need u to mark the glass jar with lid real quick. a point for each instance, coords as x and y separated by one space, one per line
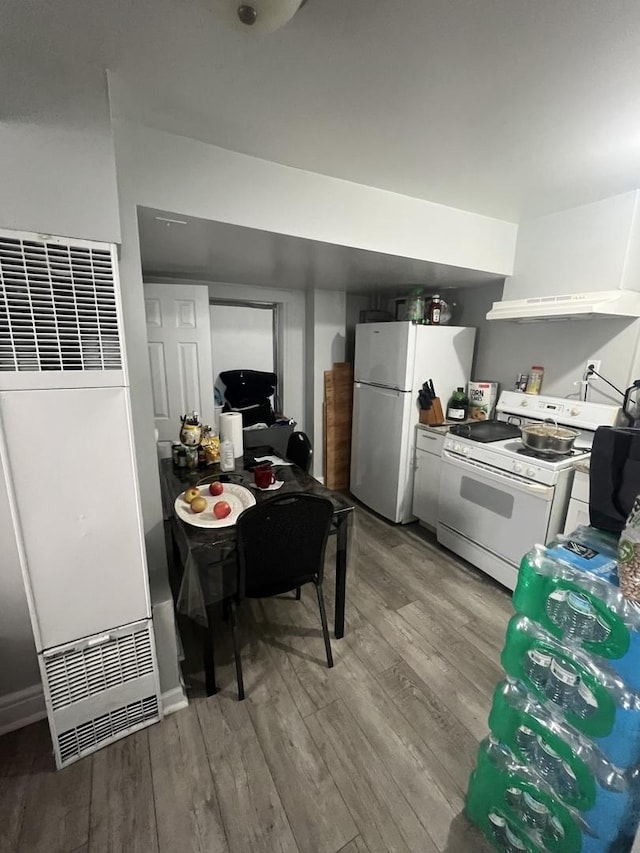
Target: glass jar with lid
534 382
415 307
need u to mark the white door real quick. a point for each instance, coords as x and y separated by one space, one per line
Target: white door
385 354
501 513
71 469
179 341
426 485
380 459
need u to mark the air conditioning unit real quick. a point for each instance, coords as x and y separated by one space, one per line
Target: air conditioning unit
67 455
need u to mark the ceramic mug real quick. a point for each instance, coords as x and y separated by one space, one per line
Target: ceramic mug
264 475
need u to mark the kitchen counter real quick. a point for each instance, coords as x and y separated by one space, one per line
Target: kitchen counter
582 465
444 428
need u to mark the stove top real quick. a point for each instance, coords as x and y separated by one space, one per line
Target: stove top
574 453
486 432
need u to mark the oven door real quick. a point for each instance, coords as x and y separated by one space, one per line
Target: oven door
499 512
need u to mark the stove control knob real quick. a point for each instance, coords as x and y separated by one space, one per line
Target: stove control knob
531 472
517 468
456 446
574 412
524 403
466 450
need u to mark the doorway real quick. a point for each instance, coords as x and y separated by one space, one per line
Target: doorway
244 336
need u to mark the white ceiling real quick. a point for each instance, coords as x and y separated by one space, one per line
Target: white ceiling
504 107
215 251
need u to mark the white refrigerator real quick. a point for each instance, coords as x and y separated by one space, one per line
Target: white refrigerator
392 361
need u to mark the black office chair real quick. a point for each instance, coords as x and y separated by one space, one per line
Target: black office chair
299 451
281 544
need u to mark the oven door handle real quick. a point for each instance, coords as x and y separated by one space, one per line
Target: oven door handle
512 482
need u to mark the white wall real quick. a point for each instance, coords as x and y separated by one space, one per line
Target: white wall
190 177
58 180
356 302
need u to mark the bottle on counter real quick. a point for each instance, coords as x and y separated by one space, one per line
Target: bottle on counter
227 459
534 382
434 312
458 406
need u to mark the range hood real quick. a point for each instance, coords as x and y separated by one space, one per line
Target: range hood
601 303
577 263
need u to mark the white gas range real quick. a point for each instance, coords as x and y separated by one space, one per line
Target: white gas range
498 499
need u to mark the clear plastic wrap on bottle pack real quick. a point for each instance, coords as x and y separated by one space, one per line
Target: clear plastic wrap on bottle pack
577 687
607 796
571 589
517 809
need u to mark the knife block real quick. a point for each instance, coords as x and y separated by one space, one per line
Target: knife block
434 415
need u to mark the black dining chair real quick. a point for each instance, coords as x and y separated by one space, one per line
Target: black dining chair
299 451
281 545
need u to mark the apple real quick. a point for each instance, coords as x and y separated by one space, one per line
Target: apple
221 509
191 493
198 504
216 488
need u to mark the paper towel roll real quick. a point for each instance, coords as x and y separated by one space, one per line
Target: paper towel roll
231 427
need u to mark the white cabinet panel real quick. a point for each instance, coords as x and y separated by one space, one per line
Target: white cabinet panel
71 469
426 485
577 514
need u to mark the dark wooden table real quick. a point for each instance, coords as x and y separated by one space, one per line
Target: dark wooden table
207 556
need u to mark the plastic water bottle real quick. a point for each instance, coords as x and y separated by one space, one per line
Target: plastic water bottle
526 739
549 762
514 844
555 605
554 830
227 459
535 813
513 796
585 704
498 829
578 617
562 683
567 783
536 666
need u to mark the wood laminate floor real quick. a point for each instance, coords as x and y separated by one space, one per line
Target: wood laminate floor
370 757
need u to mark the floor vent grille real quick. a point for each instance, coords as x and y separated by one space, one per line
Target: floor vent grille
87 736
78 674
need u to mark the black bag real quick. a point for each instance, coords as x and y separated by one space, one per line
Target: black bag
614 476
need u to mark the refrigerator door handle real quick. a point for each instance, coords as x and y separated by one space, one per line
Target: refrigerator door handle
393 389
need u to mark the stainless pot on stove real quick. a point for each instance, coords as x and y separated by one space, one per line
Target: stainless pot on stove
548 438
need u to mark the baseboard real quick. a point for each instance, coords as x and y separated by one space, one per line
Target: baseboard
174 700
21 708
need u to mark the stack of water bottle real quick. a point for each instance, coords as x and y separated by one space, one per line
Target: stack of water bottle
560 770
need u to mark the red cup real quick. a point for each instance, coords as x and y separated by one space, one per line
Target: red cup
264 475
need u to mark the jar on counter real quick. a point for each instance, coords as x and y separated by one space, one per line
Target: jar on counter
415 307
534 382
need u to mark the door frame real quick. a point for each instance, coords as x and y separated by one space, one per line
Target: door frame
276 309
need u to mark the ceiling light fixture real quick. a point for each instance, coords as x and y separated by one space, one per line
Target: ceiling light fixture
256 16
169 222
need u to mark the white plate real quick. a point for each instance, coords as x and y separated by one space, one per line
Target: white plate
236 496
